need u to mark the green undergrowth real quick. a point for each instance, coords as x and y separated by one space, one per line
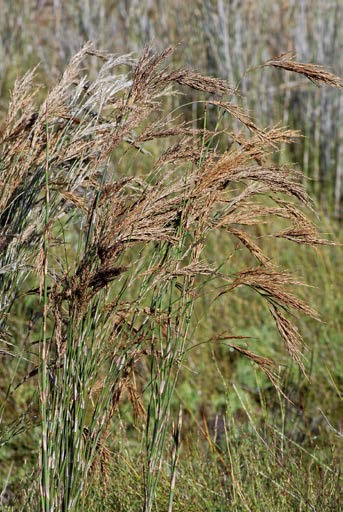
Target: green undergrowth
238 464
244 446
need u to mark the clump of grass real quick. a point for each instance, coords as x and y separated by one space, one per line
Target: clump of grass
116 258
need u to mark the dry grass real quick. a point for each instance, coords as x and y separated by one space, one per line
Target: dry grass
317 74
123 288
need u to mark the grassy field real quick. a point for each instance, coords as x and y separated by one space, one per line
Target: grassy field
171 298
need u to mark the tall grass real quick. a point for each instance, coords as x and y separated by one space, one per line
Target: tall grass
109 239
226 37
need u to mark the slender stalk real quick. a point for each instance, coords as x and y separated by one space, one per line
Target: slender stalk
44 394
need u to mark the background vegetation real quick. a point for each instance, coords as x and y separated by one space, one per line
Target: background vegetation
238 443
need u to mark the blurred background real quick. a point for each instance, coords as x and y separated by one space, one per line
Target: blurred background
231 412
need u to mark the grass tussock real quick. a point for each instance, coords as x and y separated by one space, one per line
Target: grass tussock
111 252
